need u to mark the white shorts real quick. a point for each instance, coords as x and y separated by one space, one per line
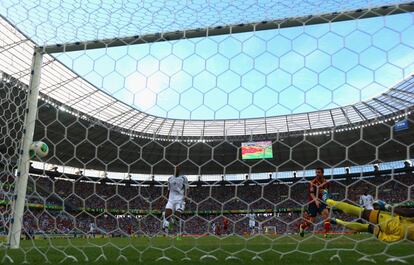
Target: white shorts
252 224
176 206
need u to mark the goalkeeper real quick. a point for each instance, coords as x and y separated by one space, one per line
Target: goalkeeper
384 225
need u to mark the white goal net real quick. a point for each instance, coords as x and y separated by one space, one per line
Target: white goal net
197 131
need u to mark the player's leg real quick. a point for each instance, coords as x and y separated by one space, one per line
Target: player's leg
343 206
373 216
346 207
167 216
178 216
326 221
354 226
309 218
218 230
305 225
179 209
251 227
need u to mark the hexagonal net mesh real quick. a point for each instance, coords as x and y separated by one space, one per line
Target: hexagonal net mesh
197 134
13 98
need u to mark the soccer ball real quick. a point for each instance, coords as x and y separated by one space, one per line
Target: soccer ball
38 149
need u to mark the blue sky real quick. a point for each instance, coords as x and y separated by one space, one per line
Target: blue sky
256 74
62 21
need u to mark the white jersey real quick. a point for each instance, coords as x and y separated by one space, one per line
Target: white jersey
367 201
213 228
92 227
177 187
252 219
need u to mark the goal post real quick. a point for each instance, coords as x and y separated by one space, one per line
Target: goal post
270 230
22 174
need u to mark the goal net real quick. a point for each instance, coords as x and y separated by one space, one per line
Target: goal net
270 230
196 132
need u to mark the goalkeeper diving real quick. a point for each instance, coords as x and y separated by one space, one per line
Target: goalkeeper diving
384 224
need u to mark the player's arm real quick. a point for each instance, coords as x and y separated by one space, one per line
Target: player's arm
315 199
397 209
312 193
403 211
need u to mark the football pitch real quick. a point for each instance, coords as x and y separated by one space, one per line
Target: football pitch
341 249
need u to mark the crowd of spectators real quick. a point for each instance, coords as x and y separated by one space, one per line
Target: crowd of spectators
119 210
216 197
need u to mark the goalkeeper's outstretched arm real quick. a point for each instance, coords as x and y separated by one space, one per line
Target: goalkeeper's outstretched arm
399 208
404 211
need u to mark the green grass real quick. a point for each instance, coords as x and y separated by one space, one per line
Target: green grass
209 250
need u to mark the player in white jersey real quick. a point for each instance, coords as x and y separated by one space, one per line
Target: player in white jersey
92 229
366 201
252 222
213 229
177 187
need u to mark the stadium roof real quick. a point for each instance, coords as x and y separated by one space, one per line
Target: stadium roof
99 146
65 86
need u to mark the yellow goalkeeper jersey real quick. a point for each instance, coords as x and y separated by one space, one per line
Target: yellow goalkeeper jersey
393 228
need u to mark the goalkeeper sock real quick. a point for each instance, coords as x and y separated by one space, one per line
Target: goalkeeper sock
358 227
346 207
